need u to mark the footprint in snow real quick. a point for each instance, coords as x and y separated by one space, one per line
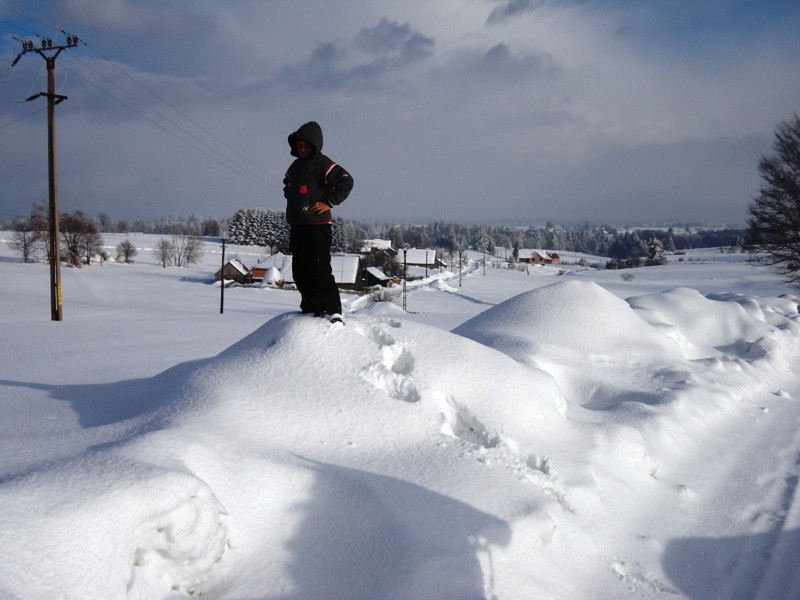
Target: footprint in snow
391 374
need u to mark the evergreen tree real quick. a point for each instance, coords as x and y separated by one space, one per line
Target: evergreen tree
655 253
236 227
774 223
339 242
276 231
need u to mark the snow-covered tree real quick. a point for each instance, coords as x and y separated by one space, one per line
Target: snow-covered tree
339 243
655 253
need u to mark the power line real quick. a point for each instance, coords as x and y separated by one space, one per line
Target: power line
29 18
28 116
199 146
182 114
222 157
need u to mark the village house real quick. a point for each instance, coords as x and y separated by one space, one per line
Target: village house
421 257
538 257
345 268
377 245
235 271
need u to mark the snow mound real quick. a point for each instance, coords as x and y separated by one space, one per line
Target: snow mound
707 326
442 285
577 316
388 459
298 441
145 531
272 276
606 353
599 351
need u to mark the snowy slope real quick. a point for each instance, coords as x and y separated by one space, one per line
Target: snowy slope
572 437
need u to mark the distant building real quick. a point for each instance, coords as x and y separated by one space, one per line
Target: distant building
374 276
421 257
538 257
372 246
234 270
345 268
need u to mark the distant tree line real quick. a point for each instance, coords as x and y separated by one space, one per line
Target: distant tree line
257 227
268 229
634 245
81 241
192 224
626 248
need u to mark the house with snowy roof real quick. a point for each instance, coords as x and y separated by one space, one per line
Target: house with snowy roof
374 276
538 257
372 246
233 270
421 257
274 267
345 268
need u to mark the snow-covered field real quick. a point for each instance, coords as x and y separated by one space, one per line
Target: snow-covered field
526 435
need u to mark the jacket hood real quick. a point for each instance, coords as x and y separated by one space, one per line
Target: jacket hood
310 132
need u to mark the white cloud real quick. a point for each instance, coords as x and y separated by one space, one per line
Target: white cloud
438 108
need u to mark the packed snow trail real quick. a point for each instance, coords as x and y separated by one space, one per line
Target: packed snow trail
669 417
743 498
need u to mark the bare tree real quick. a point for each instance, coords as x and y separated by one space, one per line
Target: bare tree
126 251
774 223
92 245
187 250
80 238
163 252
27 239
40 220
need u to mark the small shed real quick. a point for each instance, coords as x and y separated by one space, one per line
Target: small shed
374 276
234 270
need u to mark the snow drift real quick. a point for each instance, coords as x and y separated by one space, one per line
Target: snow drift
388 459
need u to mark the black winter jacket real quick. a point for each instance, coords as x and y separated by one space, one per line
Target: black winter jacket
315 179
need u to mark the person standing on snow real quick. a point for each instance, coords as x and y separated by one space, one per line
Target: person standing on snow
312 185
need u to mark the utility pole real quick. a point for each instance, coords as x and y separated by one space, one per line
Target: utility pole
222 279
49 52
405 274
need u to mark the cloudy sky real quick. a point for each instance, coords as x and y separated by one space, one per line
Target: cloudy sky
501 111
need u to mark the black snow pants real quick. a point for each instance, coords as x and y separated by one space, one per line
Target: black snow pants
311 268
